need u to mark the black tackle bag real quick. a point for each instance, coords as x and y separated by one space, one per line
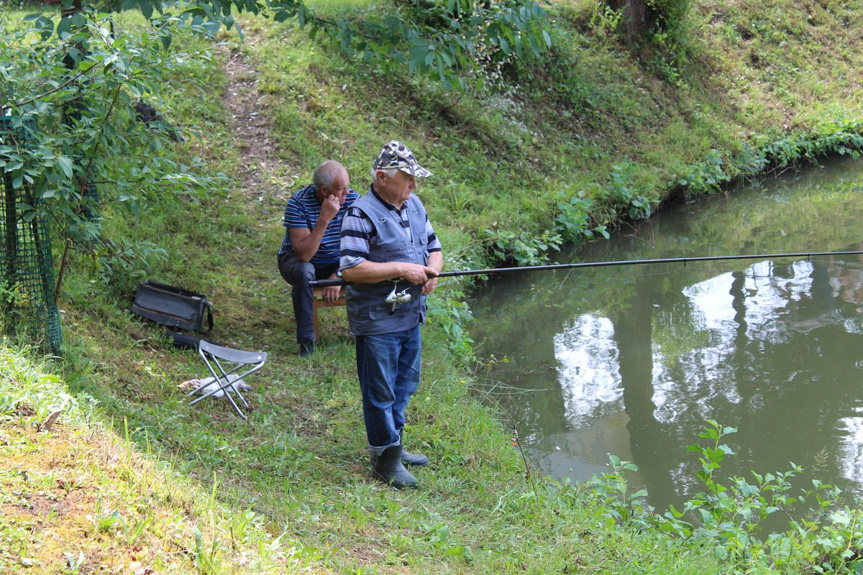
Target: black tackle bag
173 307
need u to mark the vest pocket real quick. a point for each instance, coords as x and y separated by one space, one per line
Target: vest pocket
386 310
355 312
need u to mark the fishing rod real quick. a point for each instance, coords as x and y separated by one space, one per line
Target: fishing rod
684 261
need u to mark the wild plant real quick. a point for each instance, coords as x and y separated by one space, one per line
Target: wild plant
75 138
623 194
574 219
522 248
705 177
729 518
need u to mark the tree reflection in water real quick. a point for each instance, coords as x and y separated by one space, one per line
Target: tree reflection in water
632 360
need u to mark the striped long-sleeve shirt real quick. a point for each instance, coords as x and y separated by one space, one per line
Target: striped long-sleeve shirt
358 231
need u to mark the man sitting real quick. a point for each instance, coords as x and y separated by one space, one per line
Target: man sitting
310 250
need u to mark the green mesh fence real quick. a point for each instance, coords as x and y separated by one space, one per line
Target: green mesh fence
27 274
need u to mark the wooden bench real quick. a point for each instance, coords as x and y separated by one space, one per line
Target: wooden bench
318 302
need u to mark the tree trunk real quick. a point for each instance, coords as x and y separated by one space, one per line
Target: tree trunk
637 16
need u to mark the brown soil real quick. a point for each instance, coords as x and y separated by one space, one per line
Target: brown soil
262 171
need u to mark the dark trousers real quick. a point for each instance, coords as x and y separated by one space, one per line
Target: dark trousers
299 274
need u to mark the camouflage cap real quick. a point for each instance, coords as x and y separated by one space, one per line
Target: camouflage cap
396 155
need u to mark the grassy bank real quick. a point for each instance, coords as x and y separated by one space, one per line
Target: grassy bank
559 150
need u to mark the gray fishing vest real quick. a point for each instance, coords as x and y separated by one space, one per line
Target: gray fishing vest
368 313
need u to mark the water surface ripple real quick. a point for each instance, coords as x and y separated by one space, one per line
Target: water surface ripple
631 360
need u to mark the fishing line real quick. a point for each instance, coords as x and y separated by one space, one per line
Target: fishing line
683 261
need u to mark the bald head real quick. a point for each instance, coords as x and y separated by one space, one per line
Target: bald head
327 173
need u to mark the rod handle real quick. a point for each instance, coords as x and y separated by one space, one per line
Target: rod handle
327 283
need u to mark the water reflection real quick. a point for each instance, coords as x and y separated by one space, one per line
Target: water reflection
632 360
588 373
852 447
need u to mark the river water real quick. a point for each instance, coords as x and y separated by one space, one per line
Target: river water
632 360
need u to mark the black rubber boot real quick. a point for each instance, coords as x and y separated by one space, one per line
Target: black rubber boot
307 349
408 458
415 459
389 469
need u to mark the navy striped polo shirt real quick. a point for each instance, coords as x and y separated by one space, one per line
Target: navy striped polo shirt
303 211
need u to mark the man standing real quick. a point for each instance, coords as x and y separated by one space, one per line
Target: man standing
390 258
310 250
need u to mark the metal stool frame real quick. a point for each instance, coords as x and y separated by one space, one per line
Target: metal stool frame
211 354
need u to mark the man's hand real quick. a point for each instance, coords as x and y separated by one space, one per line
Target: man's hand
417 274
330 208
429 286
331 293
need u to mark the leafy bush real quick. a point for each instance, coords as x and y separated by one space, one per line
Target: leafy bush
457 42
574 218
843 138
705 177
453 314
611 491
522 248
750 162
76 140
726 518
123 264
622 193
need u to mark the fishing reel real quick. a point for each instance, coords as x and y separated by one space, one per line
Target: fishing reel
396 297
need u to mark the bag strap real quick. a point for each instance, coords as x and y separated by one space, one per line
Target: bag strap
209 317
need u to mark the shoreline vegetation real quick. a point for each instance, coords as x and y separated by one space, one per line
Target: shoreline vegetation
558 150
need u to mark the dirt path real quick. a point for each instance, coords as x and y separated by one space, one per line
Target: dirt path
262 173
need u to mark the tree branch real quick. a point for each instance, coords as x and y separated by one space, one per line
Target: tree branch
53 90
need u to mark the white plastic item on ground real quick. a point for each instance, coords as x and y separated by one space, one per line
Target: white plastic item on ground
203 385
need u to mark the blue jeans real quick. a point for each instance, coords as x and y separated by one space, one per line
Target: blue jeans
388 366
299 274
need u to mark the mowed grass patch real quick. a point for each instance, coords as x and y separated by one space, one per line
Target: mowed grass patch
76 497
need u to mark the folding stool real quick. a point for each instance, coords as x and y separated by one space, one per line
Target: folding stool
225 381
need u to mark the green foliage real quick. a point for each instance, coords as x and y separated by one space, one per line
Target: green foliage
522 248
704 177
624 194
604 18
451 40
749 162
669 38
732 513
453 314
725 518
670 13
612 492
844 138
455 41
709 175
123 264
574 218
33 393
75 141
106 520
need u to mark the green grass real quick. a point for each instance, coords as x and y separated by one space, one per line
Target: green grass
294 480
82 497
